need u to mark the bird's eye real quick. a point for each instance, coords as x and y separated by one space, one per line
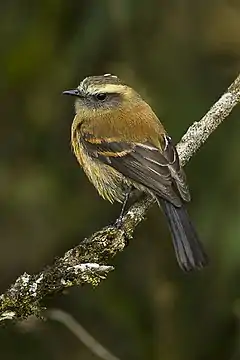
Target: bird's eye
101 96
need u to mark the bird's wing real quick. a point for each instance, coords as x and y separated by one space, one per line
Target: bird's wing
145 164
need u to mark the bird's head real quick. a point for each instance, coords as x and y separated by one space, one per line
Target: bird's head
101 93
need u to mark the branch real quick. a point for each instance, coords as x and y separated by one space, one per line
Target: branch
80 264
22 299
79 331
199 132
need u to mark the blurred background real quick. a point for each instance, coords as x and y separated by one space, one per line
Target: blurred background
180 55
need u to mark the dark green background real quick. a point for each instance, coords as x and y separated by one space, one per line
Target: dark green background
180 55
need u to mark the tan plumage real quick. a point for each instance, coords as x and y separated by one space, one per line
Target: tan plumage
120 143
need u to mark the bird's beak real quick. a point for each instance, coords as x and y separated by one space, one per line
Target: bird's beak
73 92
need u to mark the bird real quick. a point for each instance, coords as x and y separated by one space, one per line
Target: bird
122 146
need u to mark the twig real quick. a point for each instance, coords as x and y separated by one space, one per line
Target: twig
23 298
199 132
80 333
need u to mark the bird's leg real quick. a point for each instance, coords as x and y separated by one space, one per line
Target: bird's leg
127 194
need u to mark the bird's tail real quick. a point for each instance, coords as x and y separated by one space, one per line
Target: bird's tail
189 250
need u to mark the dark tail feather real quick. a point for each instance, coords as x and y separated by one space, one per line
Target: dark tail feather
189 251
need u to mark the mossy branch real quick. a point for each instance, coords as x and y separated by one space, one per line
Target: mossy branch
88 261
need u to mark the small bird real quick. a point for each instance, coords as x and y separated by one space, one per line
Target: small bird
121 145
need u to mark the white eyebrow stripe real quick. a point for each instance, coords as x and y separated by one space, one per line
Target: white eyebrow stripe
108 88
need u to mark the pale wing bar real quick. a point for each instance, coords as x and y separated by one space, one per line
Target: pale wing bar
142 163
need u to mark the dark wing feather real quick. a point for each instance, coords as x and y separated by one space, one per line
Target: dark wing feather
143 163
171 155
